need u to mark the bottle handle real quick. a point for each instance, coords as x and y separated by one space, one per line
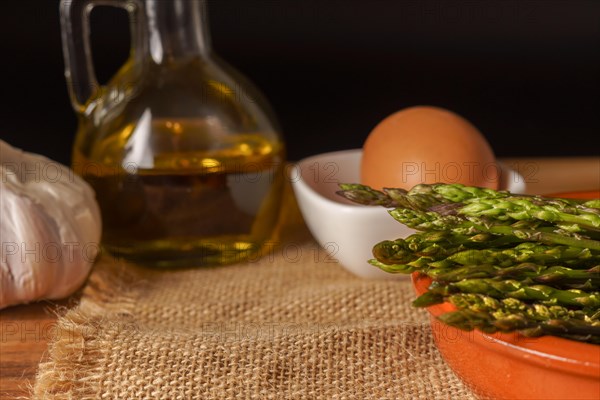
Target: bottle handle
75 32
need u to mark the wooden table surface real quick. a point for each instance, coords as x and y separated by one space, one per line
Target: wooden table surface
25 330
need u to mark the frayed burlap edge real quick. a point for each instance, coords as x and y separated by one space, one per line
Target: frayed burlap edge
75 358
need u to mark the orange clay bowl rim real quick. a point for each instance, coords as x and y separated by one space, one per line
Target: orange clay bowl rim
548 351
586 195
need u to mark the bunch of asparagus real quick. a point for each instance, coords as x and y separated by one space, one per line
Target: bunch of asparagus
506 261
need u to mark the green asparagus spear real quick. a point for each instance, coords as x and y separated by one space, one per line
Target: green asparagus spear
510 288
457 193
568 328
595 203
421 220
436 244
526 209
489 314
365 195
501 308
527 252
558 276
464 250
393 268
473 201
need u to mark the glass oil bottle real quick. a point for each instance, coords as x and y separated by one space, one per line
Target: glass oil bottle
183 152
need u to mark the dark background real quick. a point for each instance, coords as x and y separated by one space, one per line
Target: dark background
527 73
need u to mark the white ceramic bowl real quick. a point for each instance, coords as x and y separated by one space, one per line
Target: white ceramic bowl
348 231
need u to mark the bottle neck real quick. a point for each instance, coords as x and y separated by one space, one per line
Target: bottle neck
177 29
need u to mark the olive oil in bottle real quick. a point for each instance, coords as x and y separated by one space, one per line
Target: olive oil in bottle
186 208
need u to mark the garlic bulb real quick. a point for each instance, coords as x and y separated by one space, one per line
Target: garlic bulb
49 231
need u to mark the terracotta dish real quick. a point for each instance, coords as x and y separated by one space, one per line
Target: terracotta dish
591 194
512 366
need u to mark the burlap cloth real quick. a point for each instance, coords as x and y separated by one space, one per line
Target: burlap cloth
292 325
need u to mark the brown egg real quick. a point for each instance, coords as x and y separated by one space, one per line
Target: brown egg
427 145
